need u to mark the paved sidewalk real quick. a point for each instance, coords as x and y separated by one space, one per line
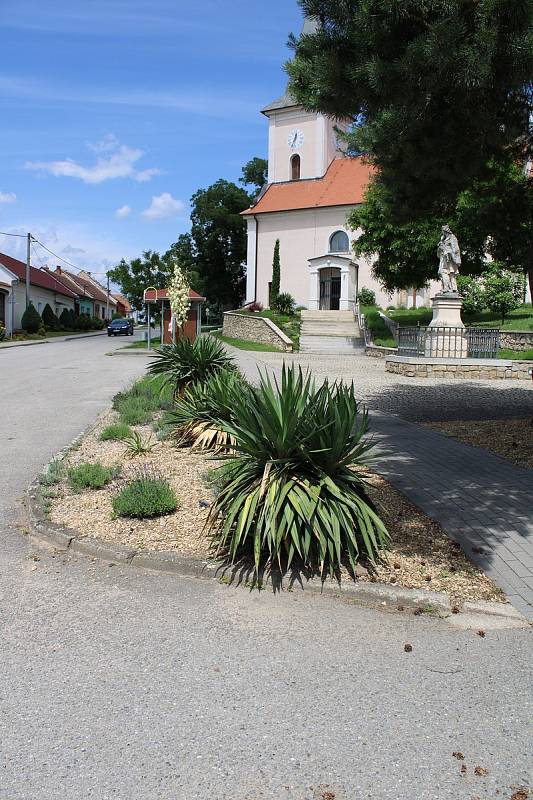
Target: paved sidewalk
482 501
68 337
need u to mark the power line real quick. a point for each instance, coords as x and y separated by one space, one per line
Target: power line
56 255
64 260
20 235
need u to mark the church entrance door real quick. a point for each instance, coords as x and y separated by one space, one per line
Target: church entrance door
330 289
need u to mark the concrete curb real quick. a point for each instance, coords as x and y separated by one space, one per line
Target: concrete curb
478 615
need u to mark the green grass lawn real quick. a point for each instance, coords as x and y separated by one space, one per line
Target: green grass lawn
34 337
290 325
516 355
521 319
244 344
142 345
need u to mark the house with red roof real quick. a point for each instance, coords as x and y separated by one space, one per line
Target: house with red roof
44 288
123 304
312 188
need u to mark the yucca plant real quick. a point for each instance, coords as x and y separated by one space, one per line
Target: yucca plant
185 362
289 489
136 445
197 417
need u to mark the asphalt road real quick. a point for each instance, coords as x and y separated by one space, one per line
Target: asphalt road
123 684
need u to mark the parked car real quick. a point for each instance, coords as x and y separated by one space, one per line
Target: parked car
120 326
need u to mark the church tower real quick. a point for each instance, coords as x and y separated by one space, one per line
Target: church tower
301 144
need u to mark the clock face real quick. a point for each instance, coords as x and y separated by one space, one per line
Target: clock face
295 138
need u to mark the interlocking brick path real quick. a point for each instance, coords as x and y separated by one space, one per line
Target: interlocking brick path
482 501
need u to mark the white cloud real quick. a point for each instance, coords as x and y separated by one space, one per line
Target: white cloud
7 197
123 212
114 160
162 207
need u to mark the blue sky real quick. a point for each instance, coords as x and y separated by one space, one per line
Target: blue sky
114 112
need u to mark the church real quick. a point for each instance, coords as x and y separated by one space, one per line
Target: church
312 188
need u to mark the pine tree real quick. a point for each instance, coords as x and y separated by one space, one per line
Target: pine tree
276 275
31 320
65 319
50 321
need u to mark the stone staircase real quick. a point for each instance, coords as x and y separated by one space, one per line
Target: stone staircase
330 332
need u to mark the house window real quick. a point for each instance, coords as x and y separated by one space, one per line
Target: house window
339 242
295 167
2 308
40 308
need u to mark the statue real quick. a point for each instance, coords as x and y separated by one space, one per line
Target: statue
449 260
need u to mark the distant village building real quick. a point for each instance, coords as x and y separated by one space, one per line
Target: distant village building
312 188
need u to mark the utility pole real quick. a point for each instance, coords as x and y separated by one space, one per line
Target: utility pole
107 303
28 258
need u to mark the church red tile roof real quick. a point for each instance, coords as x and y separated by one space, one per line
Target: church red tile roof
344 184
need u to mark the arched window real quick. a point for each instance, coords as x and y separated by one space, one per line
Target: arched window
295 167
339 242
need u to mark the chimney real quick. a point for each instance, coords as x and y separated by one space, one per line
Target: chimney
58 270
47 269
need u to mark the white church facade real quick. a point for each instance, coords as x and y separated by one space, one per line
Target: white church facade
312 188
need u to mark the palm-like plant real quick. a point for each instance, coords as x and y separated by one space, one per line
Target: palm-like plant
198 415
187 362
289 488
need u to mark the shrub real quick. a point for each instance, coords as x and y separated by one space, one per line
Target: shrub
290 488
50 320
472 292
89 476
366 297
65 320
284 304
84 322
184 363
116 432
31 320
2 332
137 404
504 290
147 495
73 319
197 416
53 475
96 324
253 307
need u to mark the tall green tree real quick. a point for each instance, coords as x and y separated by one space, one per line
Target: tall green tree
184 252
218 234
493 216
136 275
276 275
255 173
434 89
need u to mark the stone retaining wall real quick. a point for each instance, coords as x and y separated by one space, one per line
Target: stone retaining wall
375 351
516 340
465 368
254 328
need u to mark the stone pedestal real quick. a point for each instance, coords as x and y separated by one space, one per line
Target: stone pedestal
446 335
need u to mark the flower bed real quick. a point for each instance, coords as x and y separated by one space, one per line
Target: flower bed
420 555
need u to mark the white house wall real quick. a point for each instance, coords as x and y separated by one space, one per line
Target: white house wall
303 235
39 297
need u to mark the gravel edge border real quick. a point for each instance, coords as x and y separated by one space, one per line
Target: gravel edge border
481 614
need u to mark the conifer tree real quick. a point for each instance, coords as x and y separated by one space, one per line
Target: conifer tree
31 320
276 275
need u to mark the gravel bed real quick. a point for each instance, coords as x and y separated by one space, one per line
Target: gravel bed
421 555
510 438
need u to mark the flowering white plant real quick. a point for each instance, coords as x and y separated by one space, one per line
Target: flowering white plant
178 293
